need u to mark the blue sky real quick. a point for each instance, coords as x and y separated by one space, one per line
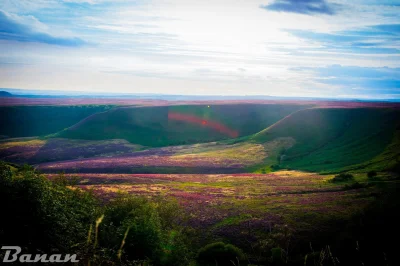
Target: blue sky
317 48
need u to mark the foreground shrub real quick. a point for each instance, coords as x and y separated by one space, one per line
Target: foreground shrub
136 221
42 215
137 229
219 253
277 256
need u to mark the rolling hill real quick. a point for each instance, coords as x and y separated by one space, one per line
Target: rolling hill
217 138
177 125
28 121
332 139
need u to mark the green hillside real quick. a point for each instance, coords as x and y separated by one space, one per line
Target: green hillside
332 140
388 159
28 121
175 125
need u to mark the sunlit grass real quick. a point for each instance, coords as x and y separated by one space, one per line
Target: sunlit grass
21 143
242 153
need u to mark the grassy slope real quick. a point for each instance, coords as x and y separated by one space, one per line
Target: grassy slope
319 139
389 159
331 140
150 126
26 121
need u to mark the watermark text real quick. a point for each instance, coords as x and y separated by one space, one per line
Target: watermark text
13 254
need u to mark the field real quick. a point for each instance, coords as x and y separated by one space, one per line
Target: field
256 175
231 207
34 150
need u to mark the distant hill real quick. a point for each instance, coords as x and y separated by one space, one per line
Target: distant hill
249 137
5 94
176 125
28 121
334 140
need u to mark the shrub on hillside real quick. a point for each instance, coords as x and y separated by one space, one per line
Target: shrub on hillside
372 174
396 168
342 177
275 167
355 185
220 254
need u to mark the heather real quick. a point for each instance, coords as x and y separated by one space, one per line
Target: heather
282 218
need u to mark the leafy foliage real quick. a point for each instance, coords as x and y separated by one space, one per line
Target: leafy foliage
51 216
42 215
146 231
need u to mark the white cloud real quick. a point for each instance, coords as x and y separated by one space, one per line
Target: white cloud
179 46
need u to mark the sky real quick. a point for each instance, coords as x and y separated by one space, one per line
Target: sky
308 48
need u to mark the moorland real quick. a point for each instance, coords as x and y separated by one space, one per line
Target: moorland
203 182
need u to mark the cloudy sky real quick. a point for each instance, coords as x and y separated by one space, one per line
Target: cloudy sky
319 48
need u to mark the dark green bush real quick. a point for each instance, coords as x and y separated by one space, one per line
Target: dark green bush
45 216
355 185
220 254
147 229
275 167
139 220
277 255
372 174
342 177
42 215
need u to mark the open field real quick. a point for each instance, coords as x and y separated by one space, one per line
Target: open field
259 213
200 158
33 150
225 205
